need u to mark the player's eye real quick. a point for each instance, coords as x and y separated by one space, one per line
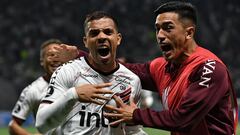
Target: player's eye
93 33
108 31
167 27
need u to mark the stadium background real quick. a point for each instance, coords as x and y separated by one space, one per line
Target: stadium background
25 24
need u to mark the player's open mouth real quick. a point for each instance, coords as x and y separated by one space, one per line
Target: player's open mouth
54 66
166 47
103 51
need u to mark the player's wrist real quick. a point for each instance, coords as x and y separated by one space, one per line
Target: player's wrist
72 93
135 116
76 53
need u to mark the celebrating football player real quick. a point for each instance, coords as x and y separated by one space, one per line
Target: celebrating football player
78 90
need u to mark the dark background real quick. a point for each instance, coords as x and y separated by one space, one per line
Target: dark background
25 24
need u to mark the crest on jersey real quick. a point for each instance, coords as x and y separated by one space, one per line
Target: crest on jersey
125 95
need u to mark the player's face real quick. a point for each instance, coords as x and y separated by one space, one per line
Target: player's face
102 40
171 36
47 62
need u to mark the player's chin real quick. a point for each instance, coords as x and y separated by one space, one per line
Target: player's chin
52 69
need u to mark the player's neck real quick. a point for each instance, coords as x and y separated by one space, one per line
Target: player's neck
46 77
191 48
107 68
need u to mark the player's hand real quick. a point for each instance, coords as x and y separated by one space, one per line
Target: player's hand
122 114
65 53
92 93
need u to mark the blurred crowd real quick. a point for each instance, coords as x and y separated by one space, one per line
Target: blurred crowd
25 24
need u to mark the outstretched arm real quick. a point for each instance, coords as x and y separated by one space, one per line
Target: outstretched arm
197 101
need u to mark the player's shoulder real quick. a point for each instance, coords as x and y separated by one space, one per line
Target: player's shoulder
124 69
209 69
213 65
158 60
68 71
127 72
39 83
33 89
72 64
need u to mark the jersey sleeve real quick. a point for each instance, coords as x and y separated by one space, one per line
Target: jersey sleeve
61 98
23 105
203 93
60 81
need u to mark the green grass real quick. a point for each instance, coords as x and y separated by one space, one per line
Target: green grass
4 130
150 131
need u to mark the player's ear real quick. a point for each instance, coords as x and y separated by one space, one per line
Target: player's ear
190 32
119 38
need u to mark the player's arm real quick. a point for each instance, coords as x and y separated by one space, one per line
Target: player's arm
66 53
20 112
51 115
15 127
199 98
60 99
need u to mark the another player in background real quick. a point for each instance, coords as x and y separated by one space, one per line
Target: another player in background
31 96
194 84
78 90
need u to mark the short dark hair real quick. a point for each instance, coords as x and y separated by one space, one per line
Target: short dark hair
47 43
98 15
182 8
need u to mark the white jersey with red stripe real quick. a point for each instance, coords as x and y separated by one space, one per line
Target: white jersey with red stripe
87 118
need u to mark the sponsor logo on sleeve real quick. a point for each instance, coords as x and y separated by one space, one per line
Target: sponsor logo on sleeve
208 69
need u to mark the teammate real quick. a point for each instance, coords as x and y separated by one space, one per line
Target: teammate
75 97
31 96
194 84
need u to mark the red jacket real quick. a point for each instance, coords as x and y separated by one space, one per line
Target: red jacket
197 95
